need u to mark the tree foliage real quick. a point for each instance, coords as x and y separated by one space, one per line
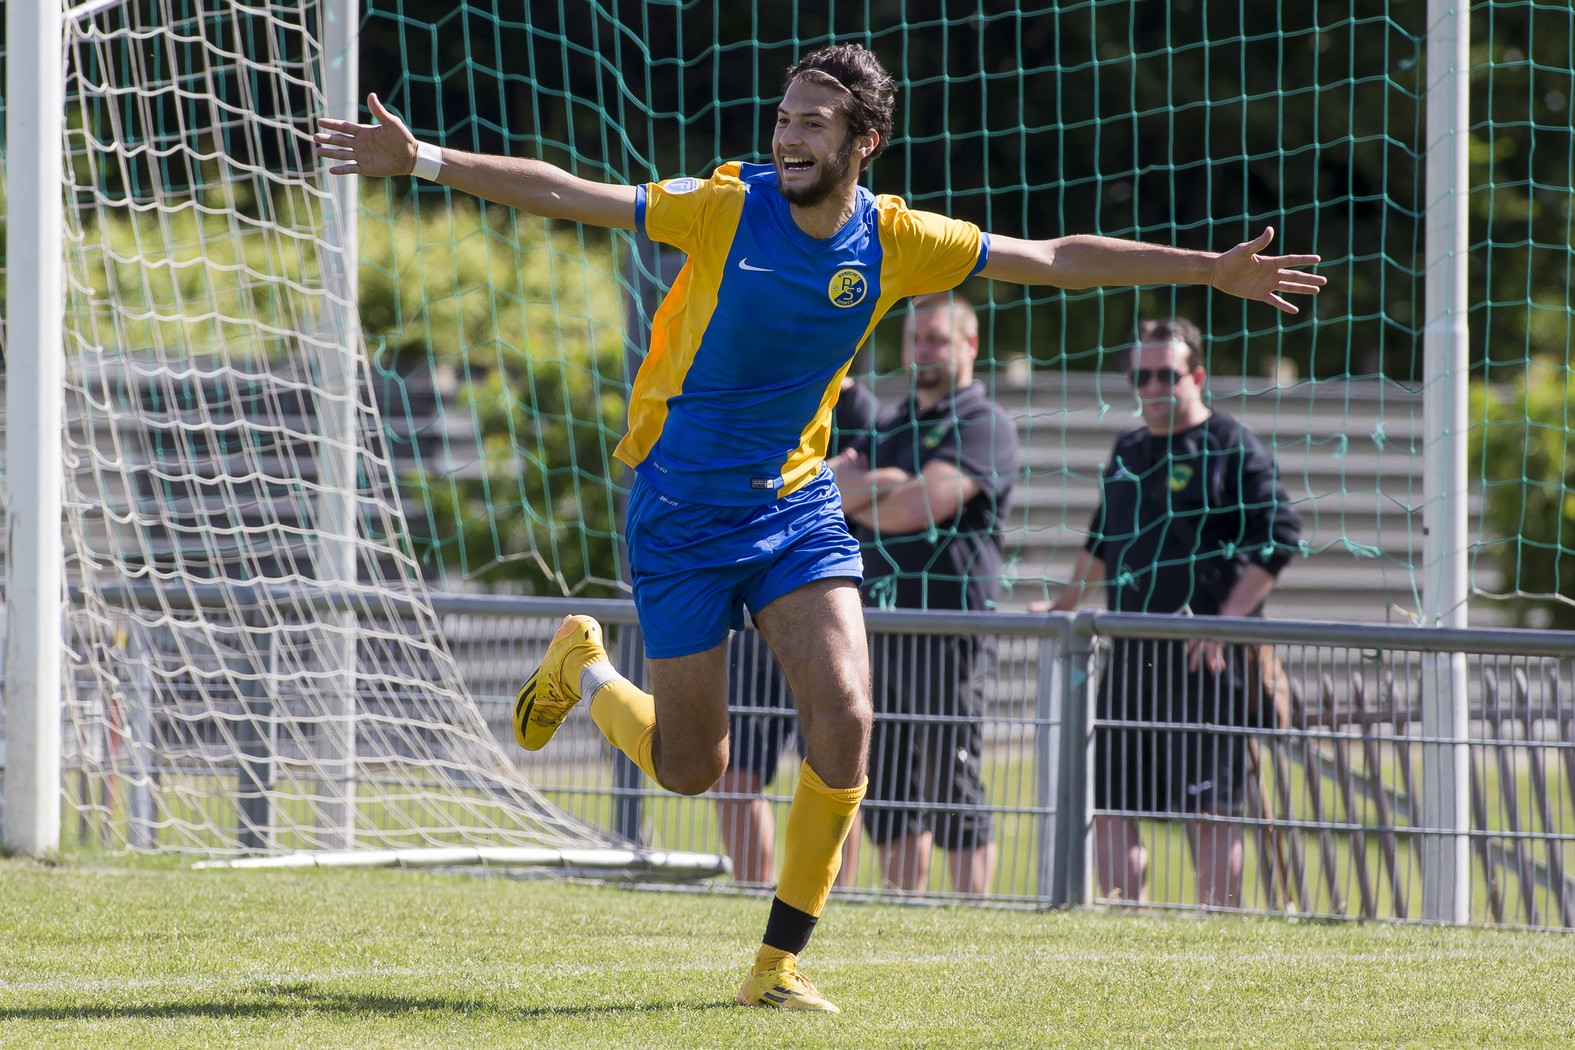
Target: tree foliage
461 308
1184 122
1188 123
1526 451
504 337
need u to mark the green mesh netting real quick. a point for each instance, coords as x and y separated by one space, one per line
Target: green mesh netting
501 345
1189 123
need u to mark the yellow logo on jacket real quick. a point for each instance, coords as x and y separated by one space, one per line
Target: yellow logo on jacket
1180 474
848 288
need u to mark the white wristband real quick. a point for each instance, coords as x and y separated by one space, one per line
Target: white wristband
429 161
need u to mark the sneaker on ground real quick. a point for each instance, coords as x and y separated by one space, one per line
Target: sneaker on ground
784 987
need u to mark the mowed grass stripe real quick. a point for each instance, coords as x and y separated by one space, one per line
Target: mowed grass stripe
148 955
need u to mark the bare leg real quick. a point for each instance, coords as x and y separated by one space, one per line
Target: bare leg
1120 860
905 862
748 829
973 870
1217 852
689 750
817 634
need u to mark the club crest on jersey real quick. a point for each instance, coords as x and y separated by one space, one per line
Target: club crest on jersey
681 185
848 288
1180 474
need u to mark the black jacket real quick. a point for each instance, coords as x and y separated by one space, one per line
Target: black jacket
957 564
1181 516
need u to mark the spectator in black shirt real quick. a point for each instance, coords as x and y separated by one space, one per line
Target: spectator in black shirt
927 493
1192 519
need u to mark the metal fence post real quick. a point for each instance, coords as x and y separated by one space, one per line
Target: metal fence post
141 753
1446 877
1064 865
628 780
1048 740
254 780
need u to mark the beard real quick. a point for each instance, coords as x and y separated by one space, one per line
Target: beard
937 374
833 176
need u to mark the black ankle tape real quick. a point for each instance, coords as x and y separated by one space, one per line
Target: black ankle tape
788 929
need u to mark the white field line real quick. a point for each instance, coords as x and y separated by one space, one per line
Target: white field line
1316 953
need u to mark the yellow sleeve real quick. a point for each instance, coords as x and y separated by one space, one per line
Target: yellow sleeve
676 211
924 251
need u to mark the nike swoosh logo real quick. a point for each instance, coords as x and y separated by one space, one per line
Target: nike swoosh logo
743 264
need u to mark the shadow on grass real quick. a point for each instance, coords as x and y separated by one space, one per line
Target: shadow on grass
285 999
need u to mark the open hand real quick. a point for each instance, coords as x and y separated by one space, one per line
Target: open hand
1242 271
1210 653
381 149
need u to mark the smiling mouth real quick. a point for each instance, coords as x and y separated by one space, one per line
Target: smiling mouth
797 164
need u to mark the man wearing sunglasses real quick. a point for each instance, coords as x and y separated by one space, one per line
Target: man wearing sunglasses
1192 519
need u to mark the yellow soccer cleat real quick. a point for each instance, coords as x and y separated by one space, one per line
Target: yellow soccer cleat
783 987
552 691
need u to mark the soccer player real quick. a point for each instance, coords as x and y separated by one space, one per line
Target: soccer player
791 264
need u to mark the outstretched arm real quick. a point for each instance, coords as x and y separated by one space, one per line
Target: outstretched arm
1085 261
387 148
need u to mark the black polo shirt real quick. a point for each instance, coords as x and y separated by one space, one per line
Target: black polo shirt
1181 515
956 564
852 420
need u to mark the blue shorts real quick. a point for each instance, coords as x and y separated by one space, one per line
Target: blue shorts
696 566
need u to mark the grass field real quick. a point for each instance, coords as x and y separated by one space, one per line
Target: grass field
131 953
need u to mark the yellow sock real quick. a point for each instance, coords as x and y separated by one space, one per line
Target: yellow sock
626 715
767 957
817 825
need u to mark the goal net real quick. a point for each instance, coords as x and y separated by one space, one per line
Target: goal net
254 664
279 435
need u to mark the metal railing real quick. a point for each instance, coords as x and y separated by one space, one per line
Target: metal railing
1336 817
1332 819
1342 811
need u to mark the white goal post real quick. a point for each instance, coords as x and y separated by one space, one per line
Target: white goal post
227 650
34 409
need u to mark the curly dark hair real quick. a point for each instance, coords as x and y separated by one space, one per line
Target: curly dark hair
872 93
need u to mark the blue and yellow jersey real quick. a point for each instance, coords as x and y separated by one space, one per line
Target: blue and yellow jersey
733 403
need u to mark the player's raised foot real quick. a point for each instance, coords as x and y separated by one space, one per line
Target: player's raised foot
552 691
783 987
